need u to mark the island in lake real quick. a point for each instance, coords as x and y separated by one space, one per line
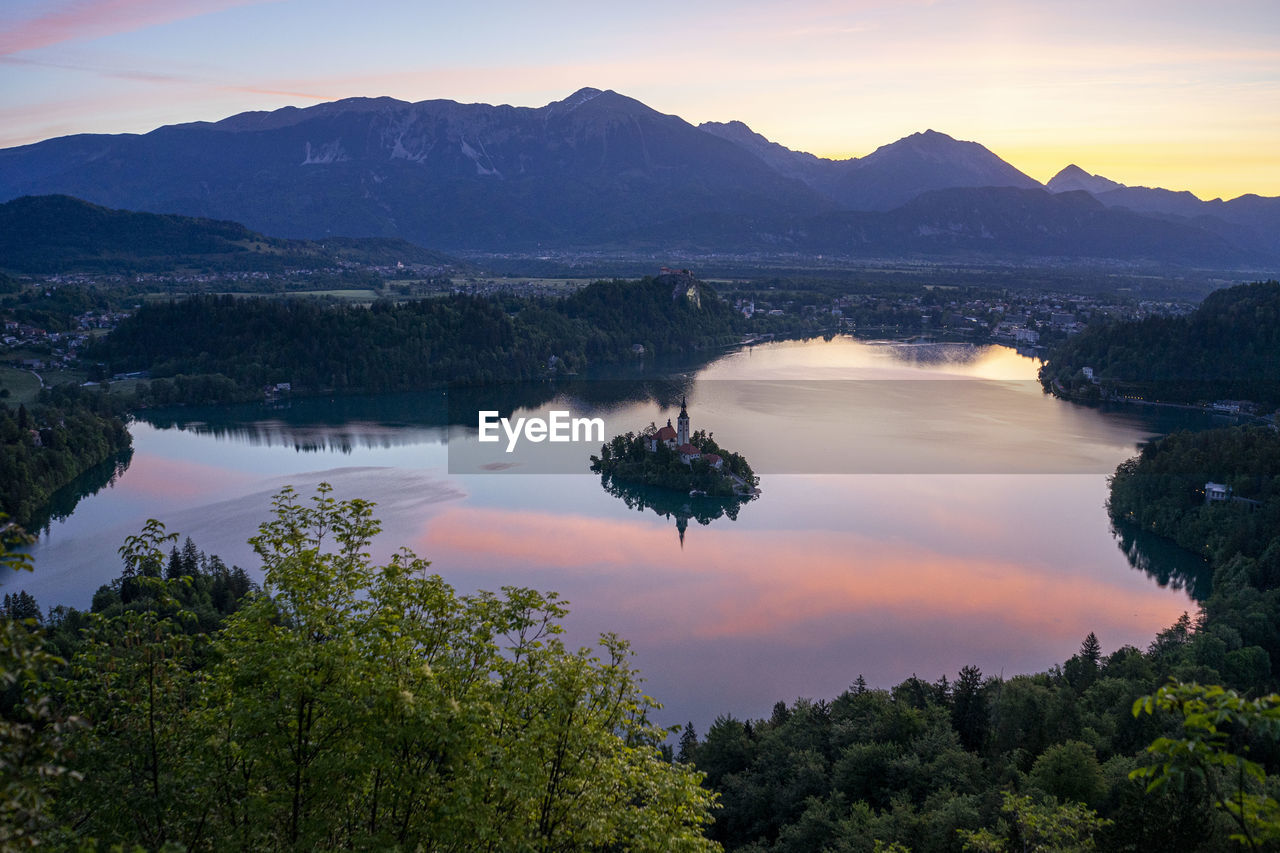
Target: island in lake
675 459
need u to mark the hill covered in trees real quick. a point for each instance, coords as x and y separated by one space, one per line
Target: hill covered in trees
1228 348
1162 490
60 234
218 349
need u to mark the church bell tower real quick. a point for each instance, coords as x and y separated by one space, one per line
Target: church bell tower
682 425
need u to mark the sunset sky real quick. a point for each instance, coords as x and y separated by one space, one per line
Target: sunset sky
1184 95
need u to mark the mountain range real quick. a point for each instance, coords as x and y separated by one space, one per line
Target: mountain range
602 171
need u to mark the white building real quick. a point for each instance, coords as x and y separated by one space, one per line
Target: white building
1214 492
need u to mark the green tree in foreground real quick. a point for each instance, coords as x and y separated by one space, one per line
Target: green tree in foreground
1216 726
1038 828
1070 772
135 679
361 706
33 754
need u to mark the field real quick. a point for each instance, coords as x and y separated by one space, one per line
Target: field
519 284
22 385
344 295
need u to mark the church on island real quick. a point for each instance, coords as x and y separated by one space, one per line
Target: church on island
676 459
661 469
677 439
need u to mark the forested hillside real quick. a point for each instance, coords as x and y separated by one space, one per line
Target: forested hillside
237 346
47 446
1229 348
61 234
1163 490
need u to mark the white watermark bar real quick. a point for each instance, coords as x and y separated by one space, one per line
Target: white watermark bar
961 425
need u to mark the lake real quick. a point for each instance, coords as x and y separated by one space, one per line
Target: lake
923 507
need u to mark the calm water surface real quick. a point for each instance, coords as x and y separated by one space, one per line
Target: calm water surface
924 507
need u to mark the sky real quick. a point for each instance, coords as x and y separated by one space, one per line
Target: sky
1184 95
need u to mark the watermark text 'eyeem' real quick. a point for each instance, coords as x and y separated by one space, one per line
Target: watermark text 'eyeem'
560 426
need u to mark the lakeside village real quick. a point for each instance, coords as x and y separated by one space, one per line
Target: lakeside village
1089 387
1023 320
32 347
676 459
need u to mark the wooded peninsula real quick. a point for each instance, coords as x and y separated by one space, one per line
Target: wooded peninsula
211 349
1224 350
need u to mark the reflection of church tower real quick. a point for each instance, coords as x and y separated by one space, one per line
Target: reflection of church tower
682 425
682 524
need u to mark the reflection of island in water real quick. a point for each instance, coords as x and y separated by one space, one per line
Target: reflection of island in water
1169 564
672 504
63 502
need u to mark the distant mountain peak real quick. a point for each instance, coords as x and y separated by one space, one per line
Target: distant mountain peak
933 160
580 97
929 138
812 171
261 120
1074 178
600 102
931 144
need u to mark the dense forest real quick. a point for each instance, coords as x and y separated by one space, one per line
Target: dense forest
1163 490
67 432
217 349
1225 349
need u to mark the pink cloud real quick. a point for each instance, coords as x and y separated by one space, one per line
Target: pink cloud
284 93
90 19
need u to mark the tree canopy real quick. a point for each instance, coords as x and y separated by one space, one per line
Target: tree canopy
1228 348
349 705
222 348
